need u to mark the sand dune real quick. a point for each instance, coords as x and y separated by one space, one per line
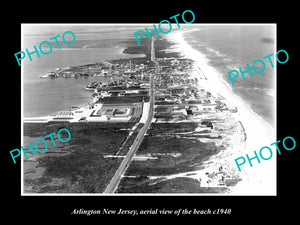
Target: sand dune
261 178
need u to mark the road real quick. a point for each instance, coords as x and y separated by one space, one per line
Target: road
114 183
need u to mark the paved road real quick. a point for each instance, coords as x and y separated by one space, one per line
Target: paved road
112 186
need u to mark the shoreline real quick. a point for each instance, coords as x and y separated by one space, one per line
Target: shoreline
122 56
255 180
248 92
259 179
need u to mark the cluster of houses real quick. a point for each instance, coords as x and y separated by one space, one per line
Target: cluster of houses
178 93
179 88
98 70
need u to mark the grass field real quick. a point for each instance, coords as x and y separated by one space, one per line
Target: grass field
84 169
177 151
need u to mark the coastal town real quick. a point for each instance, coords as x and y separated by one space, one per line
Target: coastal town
176 92
171 122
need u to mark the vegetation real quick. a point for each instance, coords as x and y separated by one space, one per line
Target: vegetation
85 169
177 151
176 185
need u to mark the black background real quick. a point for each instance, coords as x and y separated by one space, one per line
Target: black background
32 209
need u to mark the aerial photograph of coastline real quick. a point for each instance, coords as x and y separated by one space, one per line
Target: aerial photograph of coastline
159 118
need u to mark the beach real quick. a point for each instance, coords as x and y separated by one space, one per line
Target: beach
261 178
181 152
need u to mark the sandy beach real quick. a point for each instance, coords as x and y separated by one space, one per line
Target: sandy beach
261 178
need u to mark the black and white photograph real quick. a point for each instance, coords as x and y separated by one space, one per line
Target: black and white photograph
145 111
164 116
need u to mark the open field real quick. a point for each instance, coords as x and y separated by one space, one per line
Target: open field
171 149
176 185
175 153
77 166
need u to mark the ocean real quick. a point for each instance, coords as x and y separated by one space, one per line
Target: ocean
228 47
94 43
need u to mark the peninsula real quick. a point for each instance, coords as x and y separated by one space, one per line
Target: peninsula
153 127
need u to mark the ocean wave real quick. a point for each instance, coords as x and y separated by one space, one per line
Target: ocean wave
186 49
216 52
232 67
257 129
226 60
